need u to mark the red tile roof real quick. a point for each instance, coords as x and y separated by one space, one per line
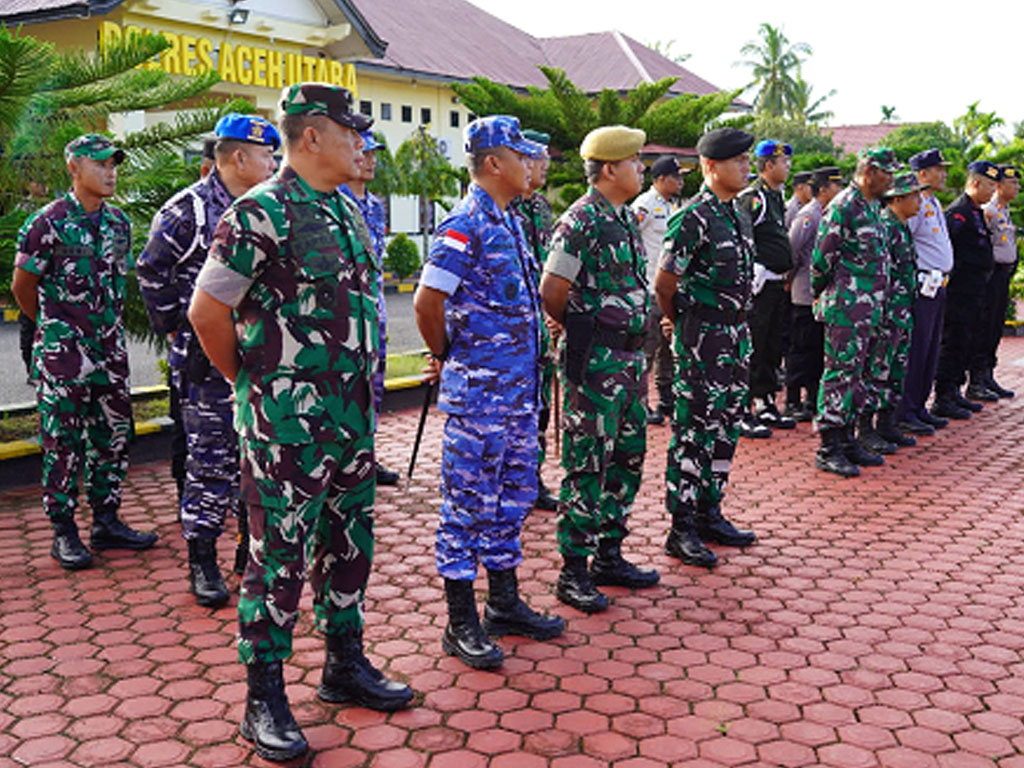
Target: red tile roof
453 39
854 138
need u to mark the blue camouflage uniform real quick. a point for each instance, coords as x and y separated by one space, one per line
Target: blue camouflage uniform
489 385
179 240
372 209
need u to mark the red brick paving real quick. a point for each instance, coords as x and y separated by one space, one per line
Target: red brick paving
879 621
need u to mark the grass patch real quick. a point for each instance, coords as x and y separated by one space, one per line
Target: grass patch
26 427
406 364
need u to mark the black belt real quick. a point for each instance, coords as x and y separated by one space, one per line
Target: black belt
628 342
716 315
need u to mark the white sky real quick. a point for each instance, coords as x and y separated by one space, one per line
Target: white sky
928 59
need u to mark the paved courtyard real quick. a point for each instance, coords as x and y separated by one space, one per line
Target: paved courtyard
878 621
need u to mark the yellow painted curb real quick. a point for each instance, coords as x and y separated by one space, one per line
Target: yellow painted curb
406 287
11 315
18 448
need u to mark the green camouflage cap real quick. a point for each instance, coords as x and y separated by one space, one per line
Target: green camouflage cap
325 99
881 157
905 184
94 146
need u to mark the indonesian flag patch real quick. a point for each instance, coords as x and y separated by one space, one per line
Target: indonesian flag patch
456 240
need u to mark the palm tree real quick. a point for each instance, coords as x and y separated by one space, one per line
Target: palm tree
889 114
804 109
775 67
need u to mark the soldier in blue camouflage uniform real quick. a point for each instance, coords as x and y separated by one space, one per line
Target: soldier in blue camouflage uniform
478 311
536 219
703 288
290 271
903 202
850 282
595 285
70 269
179 239
372 209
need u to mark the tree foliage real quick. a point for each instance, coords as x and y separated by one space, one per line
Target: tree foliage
775 69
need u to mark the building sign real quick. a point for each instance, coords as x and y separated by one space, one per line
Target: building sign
267 67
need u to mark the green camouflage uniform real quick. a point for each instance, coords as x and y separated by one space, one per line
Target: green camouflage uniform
536 219
891 370
709 246
599 250
850 281
79 355
296 265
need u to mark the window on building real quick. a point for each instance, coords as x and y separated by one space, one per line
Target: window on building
366 108
424 115
453 118
385 111
406 113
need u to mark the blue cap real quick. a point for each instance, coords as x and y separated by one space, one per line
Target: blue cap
772 148
986 169
499 131
369 143
249 128
926 159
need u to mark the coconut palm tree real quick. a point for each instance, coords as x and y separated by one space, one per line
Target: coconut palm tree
775 66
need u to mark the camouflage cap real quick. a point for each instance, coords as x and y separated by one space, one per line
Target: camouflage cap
499 131
904 184
986 169
611 143
324 99
250 128
94 146
882 158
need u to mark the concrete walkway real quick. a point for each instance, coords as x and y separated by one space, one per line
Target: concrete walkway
879 621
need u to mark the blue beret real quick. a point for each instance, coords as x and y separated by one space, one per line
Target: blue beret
772 148
249 128
369 143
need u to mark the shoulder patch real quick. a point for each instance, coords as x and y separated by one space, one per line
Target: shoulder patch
455 239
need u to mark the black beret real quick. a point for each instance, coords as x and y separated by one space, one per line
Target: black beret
723 143
804 177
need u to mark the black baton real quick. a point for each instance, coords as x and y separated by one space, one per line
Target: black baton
419 430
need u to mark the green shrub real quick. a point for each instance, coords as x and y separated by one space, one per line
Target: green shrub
403 256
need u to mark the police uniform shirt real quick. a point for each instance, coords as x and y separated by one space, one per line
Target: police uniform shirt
931 236
652 213
1004 233
802 233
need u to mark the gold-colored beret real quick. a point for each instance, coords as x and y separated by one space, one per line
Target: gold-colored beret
611 143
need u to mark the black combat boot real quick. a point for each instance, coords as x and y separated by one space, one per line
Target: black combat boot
869 438
544 501
204 579
978 388
831 457
349 676
684 543
109 532
712 526
576 588
946 407
885 425
464 637
655 416
268 721
964 403
242 543
505 613
666 402
857 453
992 384
68 549
610 569
385 476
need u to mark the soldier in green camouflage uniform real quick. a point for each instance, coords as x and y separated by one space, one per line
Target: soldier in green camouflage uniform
72 260
703 286
536 219
850 282
902 202
595 285
291 267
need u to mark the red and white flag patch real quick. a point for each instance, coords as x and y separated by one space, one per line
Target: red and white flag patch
455 239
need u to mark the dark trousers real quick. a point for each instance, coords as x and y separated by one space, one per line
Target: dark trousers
659 358
804 360
767 325
963 329
26 339
997 295
924 352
